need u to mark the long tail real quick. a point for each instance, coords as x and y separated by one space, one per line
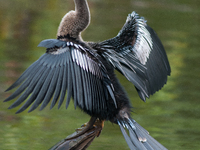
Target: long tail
138 138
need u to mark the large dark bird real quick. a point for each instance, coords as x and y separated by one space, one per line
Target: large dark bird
85 71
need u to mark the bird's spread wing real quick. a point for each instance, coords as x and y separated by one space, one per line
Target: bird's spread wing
65 67
139 55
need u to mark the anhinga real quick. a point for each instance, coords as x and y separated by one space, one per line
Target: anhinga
85 71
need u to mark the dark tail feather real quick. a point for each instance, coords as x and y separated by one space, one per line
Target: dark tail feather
138 138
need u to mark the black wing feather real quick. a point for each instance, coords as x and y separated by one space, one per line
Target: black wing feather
73 84
40 96
58 87
50 83
69 86
85 88
66 67
29 89
139 55
23 76
27 74
38 89
64 87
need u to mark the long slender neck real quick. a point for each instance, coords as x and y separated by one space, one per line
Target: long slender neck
74 22
81 7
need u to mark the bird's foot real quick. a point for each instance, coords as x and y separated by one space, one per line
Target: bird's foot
82 127
86 126
99 124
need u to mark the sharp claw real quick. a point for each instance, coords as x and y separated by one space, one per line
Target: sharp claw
82 130
83 125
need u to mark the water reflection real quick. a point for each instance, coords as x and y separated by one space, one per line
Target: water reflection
171 115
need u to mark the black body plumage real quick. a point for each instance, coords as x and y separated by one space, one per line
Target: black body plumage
85 71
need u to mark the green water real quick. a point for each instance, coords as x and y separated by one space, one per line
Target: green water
172 115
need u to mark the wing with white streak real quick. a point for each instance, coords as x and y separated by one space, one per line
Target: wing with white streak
66 67
139 55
